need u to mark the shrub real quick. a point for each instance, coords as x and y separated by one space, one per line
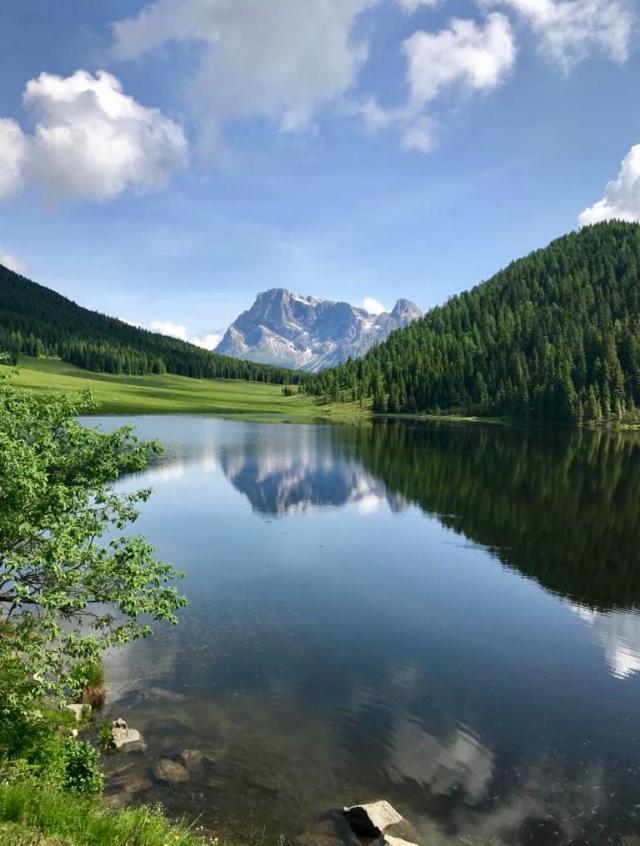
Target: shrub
82 768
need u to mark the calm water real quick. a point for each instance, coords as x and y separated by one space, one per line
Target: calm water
444 617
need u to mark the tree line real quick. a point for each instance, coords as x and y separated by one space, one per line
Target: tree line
554 336
37 321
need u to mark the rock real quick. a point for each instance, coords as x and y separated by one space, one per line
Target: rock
160 694
122 735
74 733
371 819
397 841
76 710
169 772
381 822
192 759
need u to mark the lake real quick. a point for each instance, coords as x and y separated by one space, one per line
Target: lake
443 616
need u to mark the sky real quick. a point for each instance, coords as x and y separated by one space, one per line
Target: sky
163 162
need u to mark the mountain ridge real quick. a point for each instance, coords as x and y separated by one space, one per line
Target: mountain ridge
309 333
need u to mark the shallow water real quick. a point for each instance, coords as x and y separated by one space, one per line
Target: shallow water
445 617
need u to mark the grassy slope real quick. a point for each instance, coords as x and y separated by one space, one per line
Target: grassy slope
33 813
172 394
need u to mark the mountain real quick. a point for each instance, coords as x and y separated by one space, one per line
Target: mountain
36 320
553 337
308 333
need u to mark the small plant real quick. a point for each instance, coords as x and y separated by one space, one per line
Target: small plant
105 736
88 678
82 769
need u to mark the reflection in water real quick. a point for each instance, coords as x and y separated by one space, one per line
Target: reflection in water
335 656
619 633
297 476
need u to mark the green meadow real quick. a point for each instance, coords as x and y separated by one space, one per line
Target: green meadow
121 394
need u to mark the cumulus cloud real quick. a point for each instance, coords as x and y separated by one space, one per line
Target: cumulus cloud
282 60
207 341
465 57
12 262
569 30
90 140
373 306
13 152
621 199
468 55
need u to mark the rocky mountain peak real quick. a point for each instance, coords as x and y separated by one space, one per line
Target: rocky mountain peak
307 332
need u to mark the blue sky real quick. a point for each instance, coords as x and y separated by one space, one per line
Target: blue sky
350 149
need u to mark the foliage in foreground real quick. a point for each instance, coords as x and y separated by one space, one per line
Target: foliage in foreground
30 808
72 582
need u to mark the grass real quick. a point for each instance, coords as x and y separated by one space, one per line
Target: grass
174 394
34 814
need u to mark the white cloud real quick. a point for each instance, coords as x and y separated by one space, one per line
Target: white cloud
420 135
569 30
411 6
12 262
373 306
621 199
166 327
92 140
13 150
282 60
207 341
467 55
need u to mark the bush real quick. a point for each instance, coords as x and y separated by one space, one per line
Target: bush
82 768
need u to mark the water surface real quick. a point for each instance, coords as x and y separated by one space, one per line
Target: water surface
445 617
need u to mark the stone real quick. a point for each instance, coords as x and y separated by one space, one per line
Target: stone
192 759
76 710
397 841
169 772
122 735
371 819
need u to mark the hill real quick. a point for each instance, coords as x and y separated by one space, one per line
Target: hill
309 333
554 336
35 320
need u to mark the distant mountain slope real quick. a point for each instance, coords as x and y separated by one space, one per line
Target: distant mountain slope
554 336
309 333
36 320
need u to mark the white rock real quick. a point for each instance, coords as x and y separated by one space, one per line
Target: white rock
397 841
380 814
123 736
76 710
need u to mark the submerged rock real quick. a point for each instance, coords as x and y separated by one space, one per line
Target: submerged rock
169 772
192 759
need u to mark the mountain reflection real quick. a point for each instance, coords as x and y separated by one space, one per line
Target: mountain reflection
561 507
306 470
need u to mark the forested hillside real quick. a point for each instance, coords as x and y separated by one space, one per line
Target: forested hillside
554 336
37 321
